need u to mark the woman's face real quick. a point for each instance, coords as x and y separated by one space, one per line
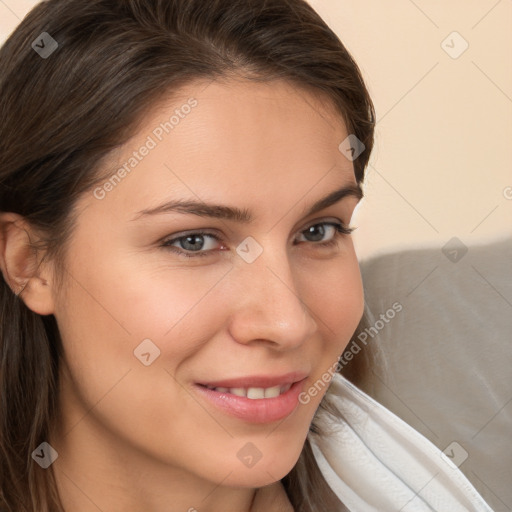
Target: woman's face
156 303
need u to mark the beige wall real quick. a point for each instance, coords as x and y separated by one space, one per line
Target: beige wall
442 165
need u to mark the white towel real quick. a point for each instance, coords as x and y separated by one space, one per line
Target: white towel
376 462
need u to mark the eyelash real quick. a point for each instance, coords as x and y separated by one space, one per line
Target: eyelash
341 230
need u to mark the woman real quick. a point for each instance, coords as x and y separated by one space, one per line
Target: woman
177 183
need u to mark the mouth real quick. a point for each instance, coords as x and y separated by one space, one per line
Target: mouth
253 393
255 399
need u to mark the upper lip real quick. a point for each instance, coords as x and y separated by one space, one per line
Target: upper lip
257 381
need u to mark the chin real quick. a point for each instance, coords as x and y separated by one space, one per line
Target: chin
265 471
253 478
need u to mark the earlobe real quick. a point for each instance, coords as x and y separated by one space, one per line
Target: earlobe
20 264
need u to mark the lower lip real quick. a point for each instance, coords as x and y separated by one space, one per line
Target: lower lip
261 410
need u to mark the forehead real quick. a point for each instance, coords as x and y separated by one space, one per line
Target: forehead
231 141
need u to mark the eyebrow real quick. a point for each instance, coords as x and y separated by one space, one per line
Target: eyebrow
243 216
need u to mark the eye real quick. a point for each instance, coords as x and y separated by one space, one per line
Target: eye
325 233
199 243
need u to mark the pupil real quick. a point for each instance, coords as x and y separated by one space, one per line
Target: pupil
320 232
194 242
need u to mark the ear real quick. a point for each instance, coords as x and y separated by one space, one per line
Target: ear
20 264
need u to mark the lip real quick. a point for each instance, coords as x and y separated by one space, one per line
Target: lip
263 410
257 381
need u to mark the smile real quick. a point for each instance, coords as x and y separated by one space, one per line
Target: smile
262 402
254 393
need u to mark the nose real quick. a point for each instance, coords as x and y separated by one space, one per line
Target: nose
268 305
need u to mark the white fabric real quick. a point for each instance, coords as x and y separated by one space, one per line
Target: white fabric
375 462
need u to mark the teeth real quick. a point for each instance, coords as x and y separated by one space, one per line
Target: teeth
255 393
285 388
272 392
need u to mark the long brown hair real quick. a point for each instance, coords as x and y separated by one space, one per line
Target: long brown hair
65 110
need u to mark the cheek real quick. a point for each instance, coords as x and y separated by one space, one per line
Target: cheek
106 317
135 301
336 298
104 322
337 301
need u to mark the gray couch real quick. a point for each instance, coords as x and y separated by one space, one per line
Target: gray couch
444 362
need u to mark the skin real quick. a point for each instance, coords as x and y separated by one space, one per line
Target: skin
132 437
